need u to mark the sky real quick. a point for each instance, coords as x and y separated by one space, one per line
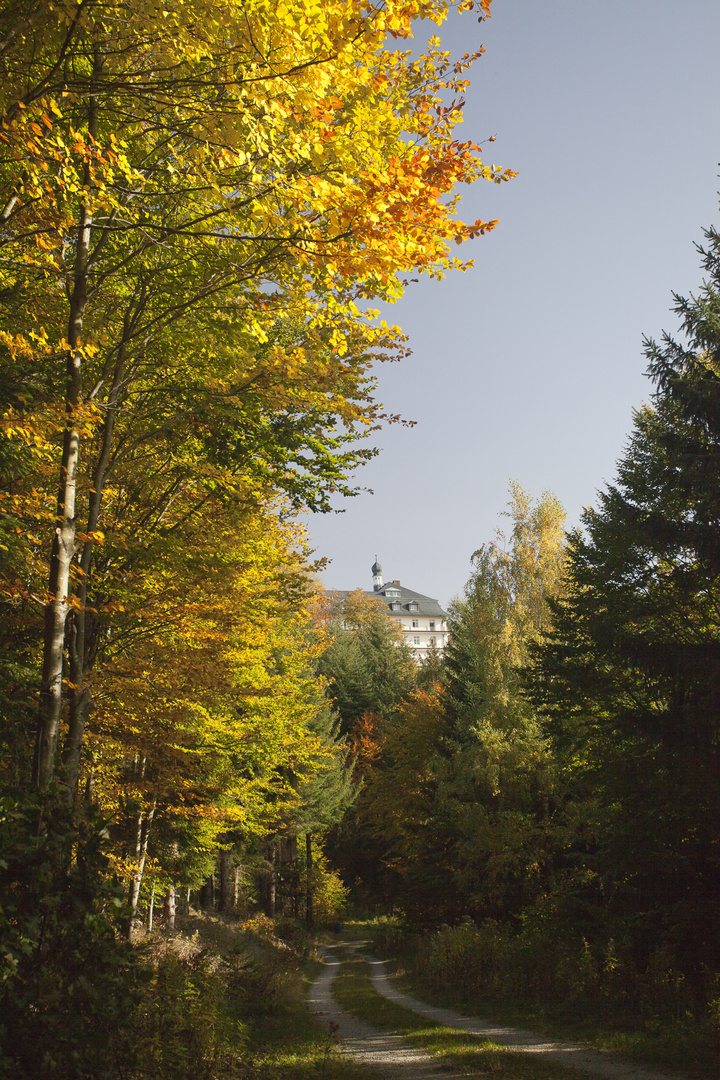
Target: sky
528 367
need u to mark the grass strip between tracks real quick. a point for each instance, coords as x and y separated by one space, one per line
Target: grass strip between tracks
466 1055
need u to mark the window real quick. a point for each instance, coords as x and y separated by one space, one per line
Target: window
432 624
432 640
415 624
416 641
394 607
392 592
412 607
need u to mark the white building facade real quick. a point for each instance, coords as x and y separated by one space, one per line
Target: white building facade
424 623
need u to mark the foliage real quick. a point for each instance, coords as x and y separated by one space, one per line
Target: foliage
367 664
69 985
629 676
209 989
198 208
329 893
192 205
461 794
370 673
566 781
326 794
188 1024
504 609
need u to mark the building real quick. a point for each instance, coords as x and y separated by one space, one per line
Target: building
423 622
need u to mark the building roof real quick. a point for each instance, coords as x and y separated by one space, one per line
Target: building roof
425 604
399 594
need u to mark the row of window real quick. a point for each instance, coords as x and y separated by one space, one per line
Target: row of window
416 641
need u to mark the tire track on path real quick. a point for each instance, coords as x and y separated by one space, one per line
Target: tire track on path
363 1043
569 1055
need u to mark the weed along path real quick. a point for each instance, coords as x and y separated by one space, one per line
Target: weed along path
391 1053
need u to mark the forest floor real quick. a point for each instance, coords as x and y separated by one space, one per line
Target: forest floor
377 1025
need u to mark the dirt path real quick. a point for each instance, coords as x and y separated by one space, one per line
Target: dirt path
368 1045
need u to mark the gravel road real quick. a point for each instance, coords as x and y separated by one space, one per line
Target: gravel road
392 1055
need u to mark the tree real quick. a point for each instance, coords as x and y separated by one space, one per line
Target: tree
325 796
630 675
401 804
498 775
198 207
172 180
206 699
478 840
370 674
505 608
369 668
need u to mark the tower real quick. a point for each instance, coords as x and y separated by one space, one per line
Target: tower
377 575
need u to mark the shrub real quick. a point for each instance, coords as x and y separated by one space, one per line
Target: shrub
69 982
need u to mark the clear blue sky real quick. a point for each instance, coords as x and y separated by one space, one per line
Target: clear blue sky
529 366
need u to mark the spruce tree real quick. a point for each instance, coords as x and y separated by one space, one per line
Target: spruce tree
629 678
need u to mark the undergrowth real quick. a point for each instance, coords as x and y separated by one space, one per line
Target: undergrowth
228 1001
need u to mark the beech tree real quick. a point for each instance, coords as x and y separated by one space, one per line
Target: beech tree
173 178
199 207
206 701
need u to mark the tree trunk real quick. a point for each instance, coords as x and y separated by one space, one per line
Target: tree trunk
152 908
272 883
81 644
170 908
297 888
236 887
141 845
309 915
207 893
224 899
64 544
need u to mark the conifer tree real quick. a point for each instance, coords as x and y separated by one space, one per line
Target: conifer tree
369 668
629 677
326 795
370 673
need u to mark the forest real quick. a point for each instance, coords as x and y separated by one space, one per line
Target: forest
208 762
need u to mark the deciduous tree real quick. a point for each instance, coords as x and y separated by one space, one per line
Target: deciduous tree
172 178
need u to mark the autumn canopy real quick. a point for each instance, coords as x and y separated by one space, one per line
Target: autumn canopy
200 205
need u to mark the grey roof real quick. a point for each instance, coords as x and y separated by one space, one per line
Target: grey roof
425 604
